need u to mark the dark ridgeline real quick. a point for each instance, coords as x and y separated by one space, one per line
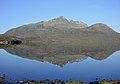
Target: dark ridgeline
60 41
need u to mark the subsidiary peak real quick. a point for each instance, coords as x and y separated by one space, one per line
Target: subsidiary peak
101 27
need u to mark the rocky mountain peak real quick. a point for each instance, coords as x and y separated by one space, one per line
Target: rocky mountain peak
59 19
62 22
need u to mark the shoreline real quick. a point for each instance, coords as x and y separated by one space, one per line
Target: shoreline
3 81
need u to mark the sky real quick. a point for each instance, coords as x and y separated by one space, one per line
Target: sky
14 13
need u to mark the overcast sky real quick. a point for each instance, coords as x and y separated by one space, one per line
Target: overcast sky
14 13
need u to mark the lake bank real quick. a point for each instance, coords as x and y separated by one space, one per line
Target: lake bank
3 80
62 82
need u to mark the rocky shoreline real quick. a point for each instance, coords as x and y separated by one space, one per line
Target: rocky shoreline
61 82
47 81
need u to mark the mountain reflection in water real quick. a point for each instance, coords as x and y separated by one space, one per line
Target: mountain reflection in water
61 55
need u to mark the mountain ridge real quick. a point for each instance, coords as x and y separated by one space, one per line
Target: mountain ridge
59 23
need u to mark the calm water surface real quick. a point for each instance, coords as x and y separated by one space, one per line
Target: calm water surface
18 68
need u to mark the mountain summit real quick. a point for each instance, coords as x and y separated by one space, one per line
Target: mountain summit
61 22
60 19
100 27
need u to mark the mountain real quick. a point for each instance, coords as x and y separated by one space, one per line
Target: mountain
60 31
58 23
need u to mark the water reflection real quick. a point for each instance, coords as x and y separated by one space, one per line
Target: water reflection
83 62
61 55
